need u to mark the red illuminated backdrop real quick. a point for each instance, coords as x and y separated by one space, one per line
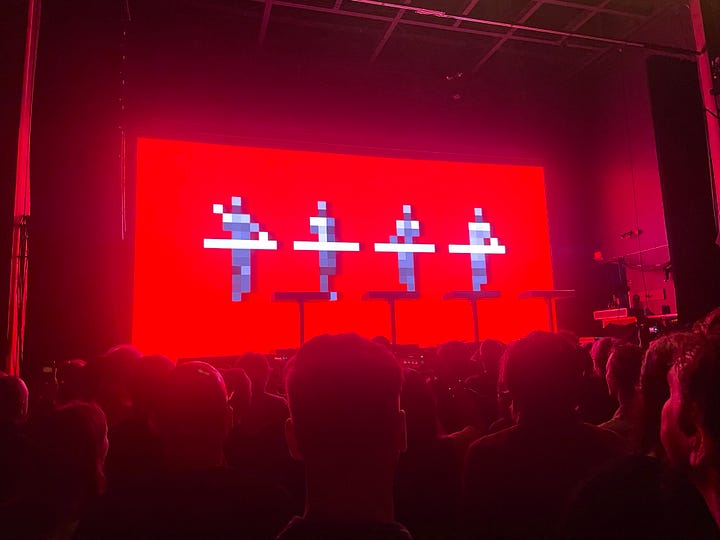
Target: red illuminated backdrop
182 292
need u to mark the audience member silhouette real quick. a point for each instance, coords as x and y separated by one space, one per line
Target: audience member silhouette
136 450
256 445
709 325
239 389
488 358
478 399
690 426
196 496
518 481
654 389
267 412
622 376
71 378
13 443
492 411
427 482
14 399
347 428
361 451
596 403
453 367
68 448
641 498
108 378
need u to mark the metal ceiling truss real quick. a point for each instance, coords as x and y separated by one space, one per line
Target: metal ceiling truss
507 31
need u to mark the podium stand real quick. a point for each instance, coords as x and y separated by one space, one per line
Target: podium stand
550 297
300 298
391 297
472 297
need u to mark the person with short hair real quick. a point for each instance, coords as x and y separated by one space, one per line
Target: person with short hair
195 495
256 444
347 428
690 425
13 442
135 449
67 453
14 399
518 480
642 497
622 375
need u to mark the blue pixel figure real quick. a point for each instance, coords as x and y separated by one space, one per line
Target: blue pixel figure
406 230
479 232
240 227
324 227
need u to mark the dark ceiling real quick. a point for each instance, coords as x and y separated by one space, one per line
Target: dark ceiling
489 39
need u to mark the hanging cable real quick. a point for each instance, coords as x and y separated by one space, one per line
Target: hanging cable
126 18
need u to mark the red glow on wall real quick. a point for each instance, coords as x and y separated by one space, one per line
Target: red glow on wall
182 292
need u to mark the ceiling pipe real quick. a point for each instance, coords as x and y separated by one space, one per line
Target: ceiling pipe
511 26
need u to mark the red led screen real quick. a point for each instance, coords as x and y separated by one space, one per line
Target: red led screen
196 293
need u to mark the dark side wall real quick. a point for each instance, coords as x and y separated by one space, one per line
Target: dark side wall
623 182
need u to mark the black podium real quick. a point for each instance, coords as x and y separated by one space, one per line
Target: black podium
391 297
472 297
300 298
550 296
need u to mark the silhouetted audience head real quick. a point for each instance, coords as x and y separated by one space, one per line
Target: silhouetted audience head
637 498
382 341
488 357
72 380
344 395
654 387
454 361
691 416
570 336
418 402
257 368
600 353
542 373
239 390
109 379
623 370
71 445
13 400
193 417
148 376
586 361
690 428
710 324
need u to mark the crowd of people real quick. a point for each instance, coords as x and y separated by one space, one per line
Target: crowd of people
539 439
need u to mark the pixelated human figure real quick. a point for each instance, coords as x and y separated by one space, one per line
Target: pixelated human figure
326 246
478 249
241 228
479 231
407 229
324 227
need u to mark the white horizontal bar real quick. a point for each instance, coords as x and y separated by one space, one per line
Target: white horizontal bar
478 248
300 245
318 220
478 226
404 248
233 243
